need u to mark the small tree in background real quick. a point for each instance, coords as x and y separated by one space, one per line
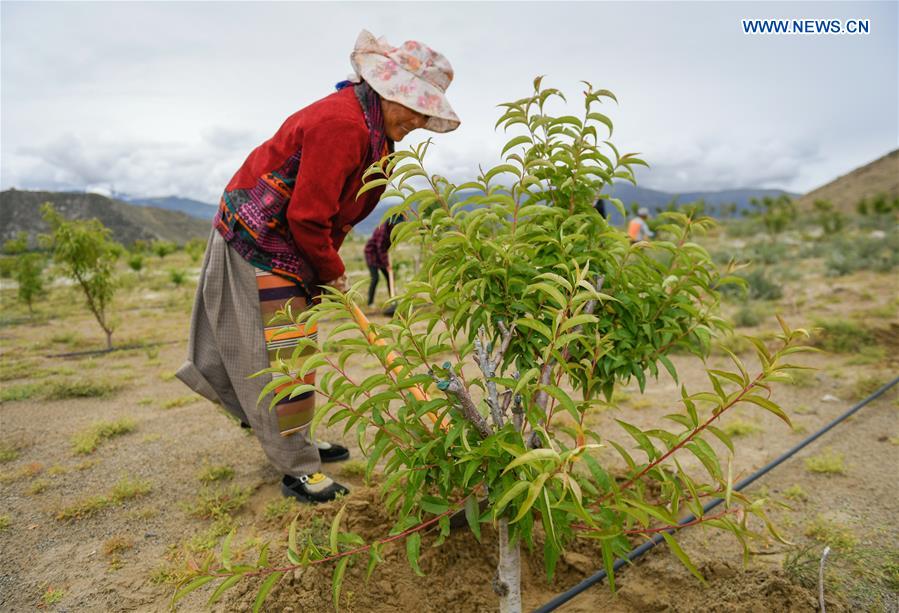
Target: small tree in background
16 245
775 213
527 312
86 254
830 220
163 248
195 248
136 262
29 274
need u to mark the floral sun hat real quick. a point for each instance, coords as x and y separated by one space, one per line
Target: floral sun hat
413 75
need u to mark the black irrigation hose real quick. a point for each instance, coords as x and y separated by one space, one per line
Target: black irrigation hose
639 551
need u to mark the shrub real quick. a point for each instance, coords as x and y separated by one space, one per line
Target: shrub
831 221
768 253
775 213
136 262
163 248
757 287
177 277
848 255
16 245
195 248
747 317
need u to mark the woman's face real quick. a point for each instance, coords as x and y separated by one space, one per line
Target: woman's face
400 120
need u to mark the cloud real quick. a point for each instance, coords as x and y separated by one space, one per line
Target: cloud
159 98
148 168
708 165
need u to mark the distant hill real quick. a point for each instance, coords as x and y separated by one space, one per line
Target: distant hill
194 208
654 200
878 177
20 210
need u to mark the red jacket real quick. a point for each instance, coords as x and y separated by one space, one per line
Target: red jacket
297 191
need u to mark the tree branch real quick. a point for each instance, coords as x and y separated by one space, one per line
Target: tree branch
454 387
541 398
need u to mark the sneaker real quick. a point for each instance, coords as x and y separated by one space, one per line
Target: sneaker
312 488
332 452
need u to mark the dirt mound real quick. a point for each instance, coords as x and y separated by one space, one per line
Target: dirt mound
458 577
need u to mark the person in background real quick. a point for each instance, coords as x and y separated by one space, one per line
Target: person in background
377 257
600 206
275 239
638 229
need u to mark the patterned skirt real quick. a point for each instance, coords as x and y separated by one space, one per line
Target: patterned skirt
274 294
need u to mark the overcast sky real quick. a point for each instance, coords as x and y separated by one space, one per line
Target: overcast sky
156 99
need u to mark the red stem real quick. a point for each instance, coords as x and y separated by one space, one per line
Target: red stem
680 445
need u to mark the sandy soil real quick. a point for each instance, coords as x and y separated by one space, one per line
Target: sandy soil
123 557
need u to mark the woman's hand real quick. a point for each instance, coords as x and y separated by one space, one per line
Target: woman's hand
340 283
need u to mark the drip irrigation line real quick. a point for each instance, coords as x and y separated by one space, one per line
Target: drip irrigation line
635 553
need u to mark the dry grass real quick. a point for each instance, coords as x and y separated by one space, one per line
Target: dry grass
827 462
739 427
126 489
181 401
214 503
831 532
210 474
88 440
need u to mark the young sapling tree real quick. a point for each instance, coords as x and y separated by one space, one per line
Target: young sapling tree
527 311
86 254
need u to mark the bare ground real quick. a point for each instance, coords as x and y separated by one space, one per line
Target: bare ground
124 556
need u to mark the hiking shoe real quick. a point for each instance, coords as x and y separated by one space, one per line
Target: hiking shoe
332 452
312 488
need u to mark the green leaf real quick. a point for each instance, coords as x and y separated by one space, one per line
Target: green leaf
706 455
682 556
223 587
413 547
768 406
335 530
532 456
518 140
722 436
513 492
433 505
533 491
190 587
472 513
501 169
337 581
226 550
608 559
374 557
533 324
552 292
369 185
669 367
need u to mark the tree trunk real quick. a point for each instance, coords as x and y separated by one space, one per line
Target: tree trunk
508 572
108 339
